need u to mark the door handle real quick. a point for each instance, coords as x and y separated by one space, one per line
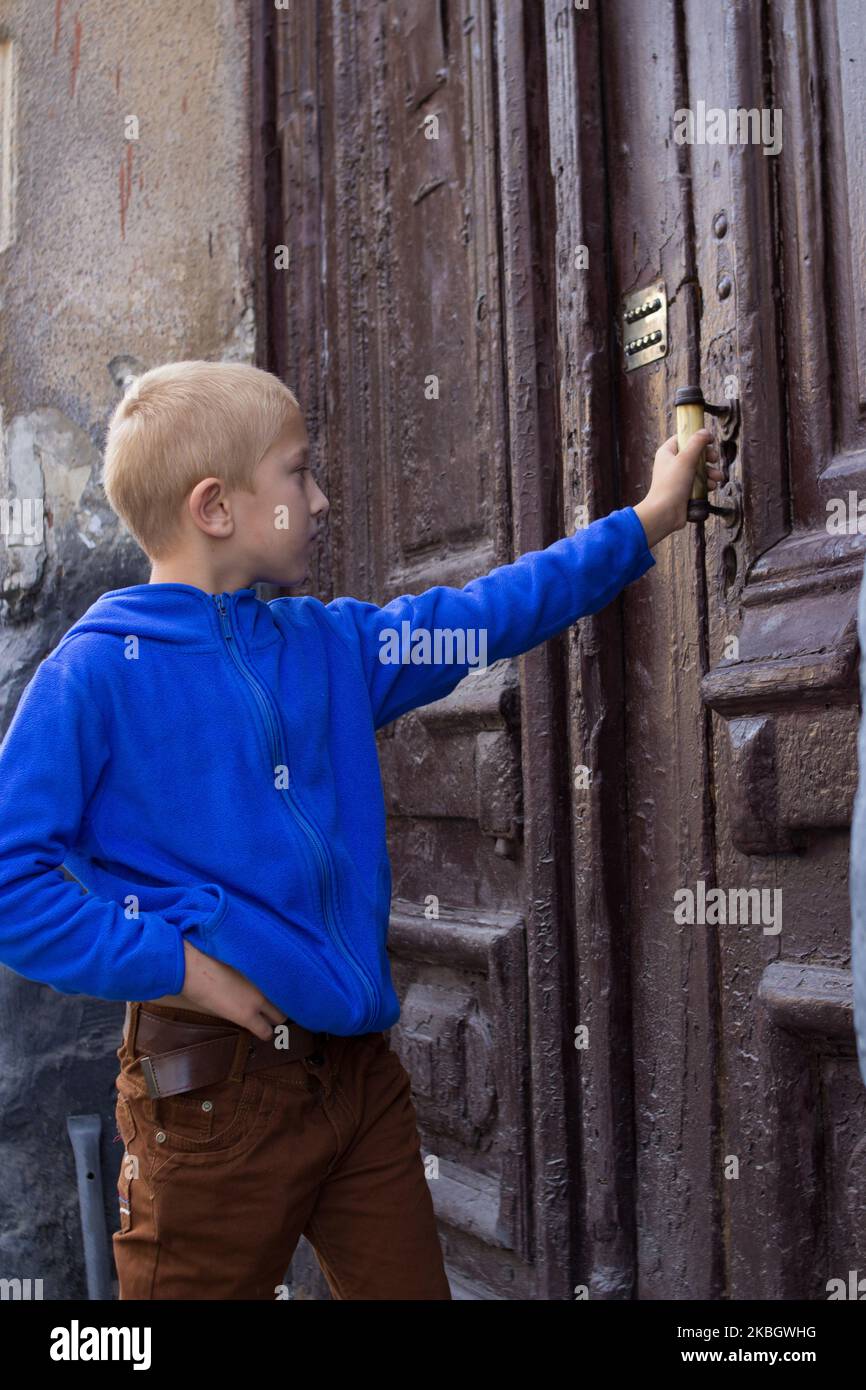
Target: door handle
691 408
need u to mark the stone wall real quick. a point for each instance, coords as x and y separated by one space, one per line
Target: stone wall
125 241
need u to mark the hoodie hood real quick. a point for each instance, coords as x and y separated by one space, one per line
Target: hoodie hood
180 615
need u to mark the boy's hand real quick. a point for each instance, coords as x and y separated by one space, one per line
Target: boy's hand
219 989
664 509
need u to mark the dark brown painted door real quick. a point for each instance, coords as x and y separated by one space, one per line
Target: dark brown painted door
612 1103
421 341
741 687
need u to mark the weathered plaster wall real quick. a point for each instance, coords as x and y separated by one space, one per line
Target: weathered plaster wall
116 253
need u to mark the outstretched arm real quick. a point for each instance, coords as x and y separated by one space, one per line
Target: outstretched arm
418 647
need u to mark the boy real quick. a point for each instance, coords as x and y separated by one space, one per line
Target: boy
205 764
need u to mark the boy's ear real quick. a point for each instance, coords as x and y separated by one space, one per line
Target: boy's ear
209 505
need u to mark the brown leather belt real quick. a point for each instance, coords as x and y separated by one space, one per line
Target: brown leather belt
178 1056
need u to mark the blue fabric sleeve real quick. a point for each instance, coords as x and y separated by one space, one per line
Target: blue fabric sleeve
51 930
516 606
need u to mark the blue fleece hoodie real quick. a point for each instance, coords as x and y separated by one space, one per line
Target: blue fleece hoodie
205 765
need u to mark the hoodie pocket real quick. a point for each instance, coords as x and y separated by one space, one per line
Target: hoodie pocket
295 965
201 907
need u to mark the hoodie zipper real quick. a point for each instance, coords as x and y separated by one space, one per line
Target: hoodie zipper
271 718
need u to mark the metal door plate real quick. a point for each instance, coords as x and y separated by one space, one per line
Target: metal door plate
644 326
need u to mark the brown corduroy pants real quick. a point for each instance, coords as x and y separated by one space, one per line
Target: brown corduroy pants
213 1208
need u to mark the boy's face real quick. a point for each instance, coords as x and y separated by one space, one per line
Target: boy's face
278 525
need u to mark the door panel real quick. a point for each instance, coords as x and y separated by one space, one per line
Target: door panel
786 704
431 392
673 972
602 1159
742 696
614 1102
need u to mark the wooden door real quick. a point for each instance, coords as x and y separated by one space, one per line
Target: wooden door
420 337
612 1103
741 687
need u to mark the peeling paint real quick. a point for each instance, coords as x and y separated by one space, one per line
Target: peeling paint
125 187
76 55
75 327
64 483
58 9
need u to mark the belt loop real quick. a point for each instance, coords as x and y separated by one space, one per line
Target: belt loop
243 1047
130 1025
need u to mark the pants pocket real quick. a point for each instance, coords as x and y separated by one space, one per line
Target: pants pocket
210 1118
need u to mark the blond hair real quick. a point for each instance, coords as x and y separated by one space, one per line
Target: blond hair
180 423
